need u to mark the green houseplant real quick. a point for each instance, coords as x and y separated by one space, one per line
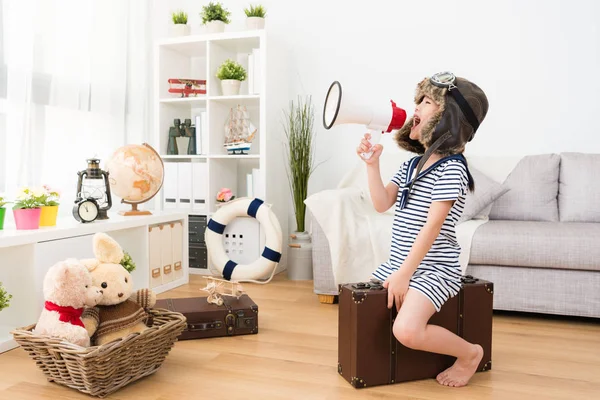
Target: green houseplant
49 204
231 74
255 17
179 26
3 202
299 133
214 17
4 298
127 262
27 208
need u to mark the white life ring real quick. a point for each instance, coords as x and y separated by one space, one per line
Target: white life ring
271 254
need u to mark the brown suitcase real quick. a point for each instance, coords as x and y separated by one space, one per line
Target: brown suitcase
370 355
205 320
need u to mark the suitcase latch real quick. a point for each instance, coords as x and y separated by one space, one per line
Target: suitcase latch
204 326
230 322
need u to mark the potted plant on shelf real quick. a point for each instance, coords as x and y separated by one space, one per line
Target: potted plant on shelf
179 27
214 17
27 208
49 205
299 133
4 298
3 202
231 75
255 17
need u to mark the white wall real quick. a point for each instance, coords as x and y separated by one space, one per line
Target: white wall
535 59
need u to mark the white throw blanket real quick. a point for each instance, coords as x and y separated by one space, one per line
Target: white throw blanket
359 237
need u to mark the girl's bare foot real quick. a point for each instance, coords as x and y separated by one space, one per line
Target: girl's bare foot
462 370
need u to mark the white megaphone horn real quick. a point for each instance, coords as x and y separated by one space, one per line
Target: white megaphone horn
345 109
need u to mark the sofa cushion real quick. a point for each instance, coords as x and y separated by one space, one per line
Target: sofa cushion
533 185
579 188
478 204
561 245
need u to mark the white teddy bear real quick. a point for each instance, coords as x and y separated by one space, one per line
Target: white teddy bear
67 290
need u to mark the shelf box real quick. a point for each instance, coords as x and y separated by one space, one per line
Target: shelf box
220 113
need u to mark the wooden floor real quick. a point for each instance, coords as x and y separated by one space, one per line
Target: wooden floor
294 356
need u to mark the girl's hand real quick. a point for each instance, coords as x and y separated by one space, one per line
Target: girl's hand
366 147
397 286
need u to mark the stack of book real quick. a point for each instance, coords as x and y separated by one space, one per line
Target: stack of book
254 184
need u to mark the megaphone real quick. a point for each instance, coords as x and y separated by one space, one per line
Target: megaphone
345 109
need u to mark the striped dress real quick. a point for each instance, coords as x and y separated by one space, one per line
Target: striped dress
438 275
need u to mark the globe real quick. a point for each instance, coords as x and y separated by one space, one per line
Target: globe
135 174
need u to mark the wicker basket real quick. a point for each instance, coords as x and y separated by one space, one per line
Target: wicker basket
101 370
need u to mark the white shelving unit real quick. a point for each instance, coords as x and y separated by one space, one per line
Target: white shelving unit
198 57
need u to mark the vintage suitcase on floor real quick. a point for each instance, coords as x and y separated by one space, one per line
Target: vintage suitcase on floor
205 320
370 355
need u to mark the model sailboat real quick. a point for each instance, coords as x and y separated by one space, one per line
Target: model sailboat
239 131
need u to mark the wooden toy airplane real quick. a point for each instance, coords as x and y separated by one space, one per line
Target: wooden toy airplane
217 288
187 87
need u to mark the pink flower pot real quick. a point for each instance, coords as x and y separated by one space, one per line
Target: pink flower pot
27 218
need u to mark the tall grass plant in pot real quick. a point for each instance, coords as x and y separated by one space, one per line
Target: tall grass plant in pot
27 208
255 17
231 74
215 17
299 133
179 26
49 206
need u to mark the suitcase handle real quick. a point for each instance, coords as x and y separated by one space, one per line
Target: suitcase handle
468 279
204 326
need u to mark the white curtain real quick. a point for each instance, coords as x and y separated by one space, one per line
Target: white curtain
74 84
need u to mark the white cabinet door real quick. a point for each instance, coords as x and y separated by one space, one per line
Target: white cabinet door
50 252
177 242
155 259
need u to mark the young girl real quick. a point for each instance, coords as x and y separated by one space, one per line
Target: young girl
423 271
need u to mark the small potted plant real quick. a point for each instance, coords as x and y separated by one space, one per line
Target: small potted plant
179 27
27 208
127 262
4 298
255 17
49 205
214 17
231 74
3 202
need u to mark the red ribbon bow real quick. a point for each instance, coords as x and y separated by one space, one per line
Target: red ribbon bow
66 314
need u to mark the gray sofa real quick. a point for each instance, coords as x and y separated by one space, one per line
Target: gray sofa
541 244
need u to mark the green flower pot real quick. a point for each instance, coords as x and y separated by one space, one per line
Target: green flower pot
2 213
